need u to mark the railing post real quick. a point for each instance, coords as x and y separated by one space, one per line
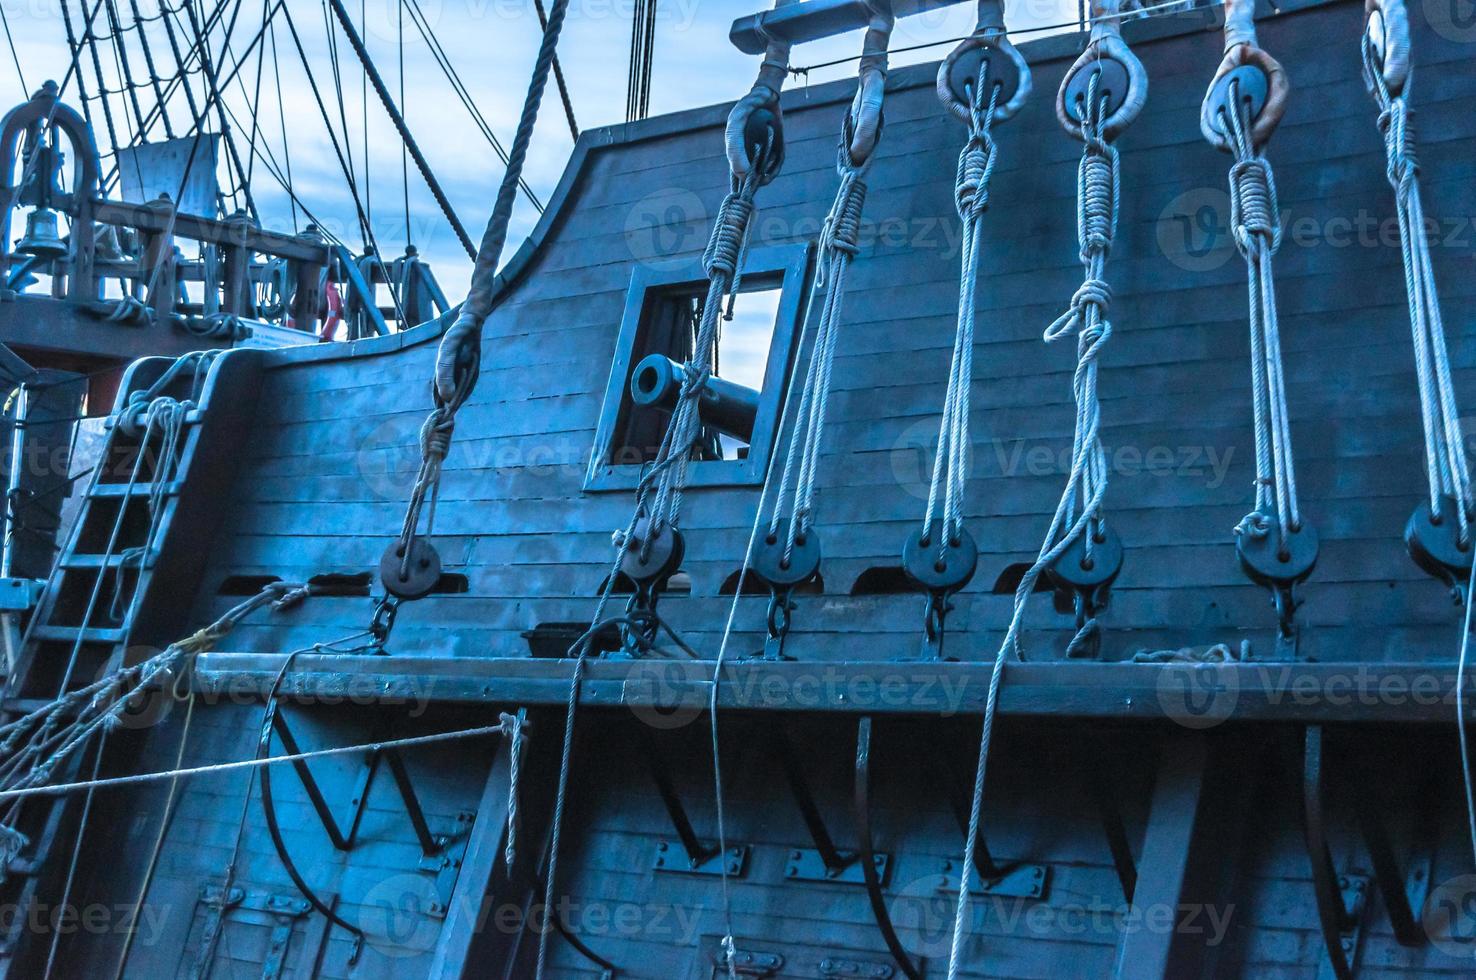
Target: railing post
308 278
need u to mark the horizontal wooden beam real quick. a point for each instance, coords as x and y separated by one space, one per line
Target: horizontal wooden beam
1194 697
810 20
43 323
155 219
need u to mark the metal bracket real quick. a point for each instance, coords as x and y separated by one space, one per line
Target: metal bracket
873 866
284 911
697 856
445 864
733 863
1017 881
649 561
986 869
343 840
871 969
825 862
809 864
1340 899
746 963
941 570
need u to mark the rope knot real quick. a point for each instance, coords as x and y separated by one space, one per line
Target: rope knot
1254 525
435 435
728 233
842 230
1098 202
1092 294
1254 215
975 164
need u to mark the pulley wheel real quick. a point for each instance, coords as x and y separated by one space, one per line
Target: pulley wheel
1073 569
657 558
770 565
944 566
1265 562
998 67
415 579
1435 543
1113 82
1251 87
765 128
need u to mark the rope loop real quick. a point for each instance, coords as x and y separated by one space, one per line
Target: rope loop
1255 217
728 234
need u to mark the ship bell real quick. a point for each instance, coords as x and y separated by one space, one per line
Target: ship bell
42 237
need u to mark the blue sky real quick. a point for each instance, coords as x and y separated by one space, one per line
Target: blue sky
492 44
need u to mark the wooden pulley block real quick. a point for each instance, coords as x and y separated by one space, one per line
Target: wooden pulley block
943 568
1435 542
1270 562
1082 571
802 564
414 579
1252 89
652 557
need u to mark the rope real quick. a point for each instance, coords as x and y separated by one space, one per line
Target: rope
62 789
839 243
950 464
563 86
1255 222
1445 453
971 197
1460 700
1098 192
512 729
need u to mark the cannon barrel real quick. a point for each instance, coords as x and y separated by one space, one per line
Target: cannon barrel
728 407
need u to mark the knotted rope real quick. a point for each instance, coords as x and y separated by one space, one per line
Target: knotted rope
659 492
971 198
1447 471
512 727
1098 191
1255 221
458 359
839 243
950 464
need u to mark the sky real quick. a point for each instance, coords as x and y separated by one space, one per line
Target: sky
490 43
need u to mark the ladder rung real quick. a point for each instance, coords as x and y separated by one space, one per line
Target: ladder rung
70 633
101 561
134 490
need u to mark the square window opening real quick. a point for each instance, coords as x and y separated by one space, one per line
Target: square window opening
664 344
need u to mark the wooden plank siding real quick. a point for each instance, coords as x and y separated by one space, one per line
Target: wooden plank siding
334 453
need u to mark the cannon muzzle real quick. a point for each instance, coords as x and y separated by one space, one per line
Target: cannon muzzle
728 407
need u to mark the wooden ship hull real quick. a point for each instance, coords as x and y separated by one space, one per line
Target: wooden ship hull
1294 814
